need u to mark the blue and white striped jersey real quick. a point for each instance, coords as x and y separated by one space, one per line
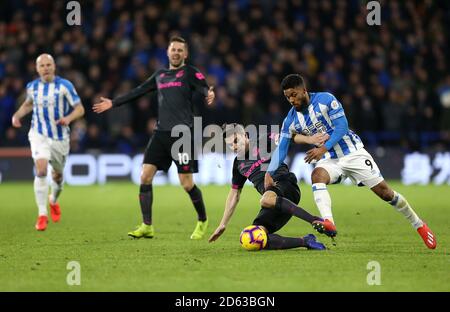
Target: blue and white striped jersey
323 109
51 101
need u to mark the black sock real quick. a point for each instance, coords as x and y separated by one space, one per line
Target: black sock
146 200
197 200
286 206
275 241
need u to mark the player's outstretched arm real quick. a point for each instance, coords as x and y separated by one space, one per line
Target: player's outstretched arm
78 112
230 206
317 139
24 109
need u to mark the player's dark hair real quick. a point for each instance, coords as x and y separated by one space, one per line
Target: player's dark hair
292 81
178 39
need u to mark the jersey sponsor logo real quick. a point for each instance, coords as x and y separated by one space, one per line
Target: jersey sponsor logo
254 166
180 74
170 84
199 76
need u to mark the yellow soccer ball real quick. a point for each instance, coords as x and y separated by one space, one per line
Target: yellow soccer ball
253 237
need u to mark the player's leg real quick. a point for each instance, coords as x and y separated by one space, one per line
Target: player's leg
55 190
399 202
272 220
361 167
195 194
145 201
41 192
326 172
40 151
58 155
155 158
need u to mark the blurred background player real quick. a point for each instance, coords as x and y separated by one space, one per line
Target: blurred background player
279 201
175 86
50 98
343 155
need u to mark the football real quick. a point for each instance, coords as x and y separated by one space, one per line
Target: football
253 238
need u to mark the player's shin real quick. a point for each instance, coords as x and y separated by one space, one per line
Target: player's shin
401 205
323 200
286 206
146 200
275 241
56 189
41 193
197 200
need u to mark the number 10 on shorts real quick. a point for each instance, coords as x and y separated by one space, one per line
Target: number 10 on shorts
183 158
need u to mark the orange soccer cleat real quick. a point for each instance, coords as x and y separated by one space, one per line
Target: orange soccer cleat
427 236
325 227
41 223
55 210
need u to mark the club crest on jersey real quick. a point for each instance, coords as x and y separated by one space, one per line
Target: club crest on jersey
162 75
334 104
199 76
180 74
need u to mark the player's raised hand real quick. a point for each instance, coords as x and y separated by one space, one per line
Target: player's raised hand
217 233
102 106
315 154
16 122
211 95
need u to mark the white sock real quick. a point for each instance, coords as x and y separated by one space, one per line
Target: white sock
401 205
41 193
323 200
56 189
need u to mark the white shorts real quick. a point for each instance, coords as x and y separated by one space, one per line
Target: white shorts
359 166
54 151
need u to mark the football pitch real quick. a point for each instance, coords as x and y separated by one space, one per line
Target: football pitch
95 221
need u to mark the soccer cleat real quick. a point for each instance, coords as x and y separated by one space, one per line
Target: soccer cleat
200 230
41 223
55 210
427 236
325 227
143 230
311 243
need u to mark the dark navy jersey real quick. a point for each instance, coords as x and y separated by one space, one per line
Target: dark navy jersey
250 168
175 89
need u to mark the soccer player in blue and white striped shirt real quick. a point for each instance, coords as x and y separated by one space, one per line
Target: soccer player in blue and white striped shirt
342 155
55 104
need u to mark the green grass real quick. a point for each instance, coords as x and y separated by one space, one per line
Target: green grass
96 219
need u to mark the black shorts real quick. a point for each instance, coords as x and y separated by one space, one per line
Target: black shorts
274 219
159 153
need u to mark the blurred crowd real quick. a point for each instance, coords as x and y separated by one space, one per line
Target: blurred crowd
393 79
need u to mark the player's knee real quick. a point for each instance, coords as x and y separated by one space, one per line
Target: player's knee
57 177
320 175
146 178
268 200
384 191
41 172
187 186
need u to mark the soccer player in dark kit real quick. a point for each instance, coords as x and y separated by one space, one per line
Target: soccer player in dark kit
175 86
278 202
